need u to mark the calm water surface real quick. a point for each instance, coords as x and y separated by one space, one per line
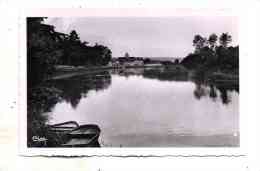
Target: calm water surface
135 108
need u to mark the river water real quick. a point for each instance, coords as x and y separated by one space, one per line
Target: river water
141 108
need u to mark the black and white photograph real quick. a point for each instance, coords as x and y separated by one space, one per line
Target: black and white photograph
132 81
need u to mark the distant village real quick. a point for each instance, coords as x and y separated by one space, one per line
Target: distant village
128 61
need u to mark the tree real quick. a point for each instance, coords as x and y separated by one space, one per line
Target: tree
74 36
225 39
199 42
212 40
104 54
192 61
43 51
176 61
147 60
209 56
126 55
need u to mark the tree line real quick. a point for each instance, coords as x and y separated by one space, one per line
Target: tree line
47 48
213 54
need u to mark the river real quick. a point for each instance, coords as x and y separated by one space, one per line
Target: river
137 108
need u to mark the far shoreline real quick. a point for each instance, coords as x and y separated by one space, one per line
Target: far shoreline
63 72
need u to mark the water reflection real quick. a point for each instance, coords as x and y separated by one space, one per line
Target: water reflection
159 73
75 88
202 88
139 111
166 74
199 91
213 92
128 72
150 107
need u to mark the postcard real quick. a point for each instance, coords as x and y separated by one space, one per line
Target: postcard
130 82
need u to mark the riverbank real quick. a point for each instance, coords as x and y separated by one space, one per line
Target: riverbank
70 71
216 77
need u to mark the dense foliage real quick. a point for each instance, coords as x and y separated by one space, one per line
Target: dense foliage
79 53
212 56
43 51
47 48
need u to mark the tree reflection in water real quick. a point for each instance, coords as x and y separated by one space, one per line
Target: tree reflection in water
202 87
201 90
75 88
213 92
166 74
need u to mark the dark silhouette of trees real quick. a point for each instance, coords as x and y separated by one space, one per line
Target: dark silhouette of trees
47 48
79 53
225 39
43 51
126 55
199 42
176 61
212 41
73 37
192 61
147 60
208 56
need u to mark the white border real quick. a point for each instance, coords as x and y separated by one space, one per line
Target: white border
135 12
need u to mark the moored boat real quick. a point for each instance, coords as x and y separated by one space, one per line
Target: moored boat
64 127
84 136
77 135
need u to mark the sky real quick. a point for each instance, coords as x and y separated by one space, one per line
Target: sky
147 37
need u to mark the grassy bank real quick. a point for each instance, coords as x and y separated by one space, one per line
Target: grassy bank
174 72
69 71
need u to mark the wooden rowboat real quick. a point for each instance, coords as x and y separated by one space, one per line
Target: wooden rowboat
64 127
84 136
77 135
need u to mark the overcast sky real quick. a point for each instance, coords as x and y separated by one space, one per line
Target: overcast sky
148 37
